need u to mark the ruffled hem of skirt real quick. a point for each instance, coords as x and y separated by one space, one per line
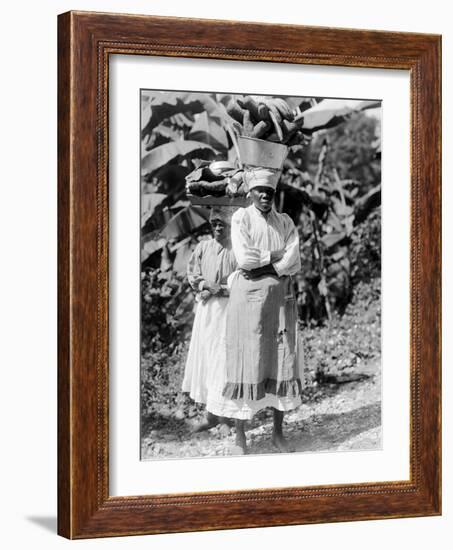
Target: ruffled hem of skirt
254 392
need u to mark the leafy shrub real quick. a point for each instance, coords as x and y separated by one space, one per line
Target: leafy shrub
350 340
167 318
365 249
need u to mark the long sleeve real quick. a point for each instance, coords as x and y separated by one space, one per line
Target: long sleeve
290 263
194 274
247 256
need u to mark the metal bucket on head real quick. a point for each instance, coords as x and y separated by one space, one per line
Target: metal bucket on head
259 152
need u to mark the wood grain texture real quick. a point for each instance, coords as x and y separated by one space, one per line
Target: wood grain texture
85 42
64 365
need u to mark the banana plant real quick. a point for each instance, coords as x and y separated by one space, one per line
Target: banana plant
323 187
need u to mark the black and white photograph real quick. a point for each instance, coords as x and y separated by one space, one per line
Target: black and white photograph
260 247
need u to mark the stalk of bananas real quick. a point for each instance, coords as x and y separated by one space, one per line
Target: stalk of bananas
266 118
269 118
218 178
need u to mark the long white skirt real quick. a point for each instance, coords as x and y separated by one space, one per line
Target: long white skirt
205 371
204 375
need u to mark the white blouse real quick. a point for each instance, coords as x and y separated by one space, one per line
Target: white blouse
255 235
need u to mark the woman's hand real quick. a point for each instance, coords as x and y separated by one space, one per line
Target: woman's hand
259 272
204 296
224 291
213 288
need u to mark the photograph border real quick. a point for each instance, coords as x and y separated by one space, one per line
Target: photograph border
85 42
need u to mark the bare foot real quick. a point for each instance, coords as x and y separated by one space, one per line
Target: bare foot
241 444
224 430
281 444
207 424
238 450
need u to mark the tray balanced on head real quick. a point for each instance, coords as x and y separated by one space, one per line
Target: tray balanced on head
220 183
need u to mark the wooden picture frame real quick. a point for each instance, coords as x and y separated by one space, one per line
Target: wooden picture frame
85 41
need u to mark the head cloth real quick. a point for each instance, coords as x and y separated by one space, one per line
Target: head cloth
223 213
261 177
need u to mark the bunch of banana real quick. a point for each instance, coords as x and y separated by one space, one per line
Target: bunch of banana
217 179
261 117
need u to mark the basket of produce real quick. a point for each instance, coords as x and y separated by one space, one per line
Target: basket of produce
260 130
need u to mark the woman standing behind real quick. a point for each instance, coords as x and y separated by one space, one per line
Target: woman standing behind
208 269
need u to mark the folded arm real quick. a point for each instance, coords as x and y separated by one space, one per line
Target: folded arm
289 264
257 262
247 256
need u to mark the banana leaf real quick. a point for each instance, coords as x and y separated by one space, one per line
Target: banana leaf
185 222
366 204
328 114
149 246
164 105
208 131
302 103
150 201
171 153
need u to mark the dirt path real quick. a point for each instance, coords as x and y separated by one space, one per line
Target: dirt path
338 417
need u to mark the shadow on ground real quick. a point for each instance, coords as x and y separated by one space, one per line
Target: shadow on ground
323 432
168 427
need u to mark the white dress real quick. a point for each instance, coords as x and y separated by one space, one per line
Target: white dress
204 375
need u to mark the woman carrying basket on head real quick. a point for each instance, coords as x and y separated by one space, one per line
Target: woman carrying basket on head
264 366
